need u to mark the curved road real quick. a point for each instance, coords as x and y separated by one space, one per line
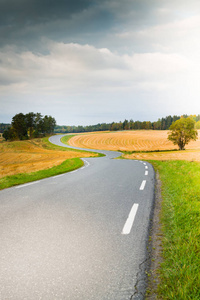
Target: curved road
80 235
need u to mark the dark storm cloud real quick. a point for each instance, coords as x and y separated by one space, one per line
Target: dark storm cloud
24 22
34 11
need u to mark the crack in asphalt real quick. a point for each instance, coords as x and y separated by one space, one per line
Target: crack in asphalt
141 281
145 266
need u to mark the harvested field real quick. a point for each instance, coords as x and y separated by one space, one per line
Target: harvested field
31 156
190 155
139 140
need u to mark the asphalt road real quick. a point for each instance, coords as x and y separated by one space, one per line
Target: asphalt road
80 235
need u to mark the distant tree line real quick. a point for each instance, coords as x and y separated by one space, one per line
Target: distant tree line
161 124
34 125
28 126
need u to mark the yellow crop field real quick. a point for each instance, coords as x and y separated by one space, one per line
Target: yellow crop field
30 156
139 140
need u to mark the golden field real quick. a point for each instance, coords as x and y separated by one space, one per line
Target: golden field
34 155
139 140
30 156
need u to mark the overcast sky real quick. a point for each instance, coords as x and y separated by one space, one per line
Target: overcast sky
92 61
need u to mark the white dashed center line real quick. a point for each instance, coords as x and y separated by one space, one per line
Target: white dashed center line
129 222
142 185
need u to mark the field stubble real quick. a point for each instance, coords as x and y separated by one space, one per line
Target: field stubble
154 142
31 156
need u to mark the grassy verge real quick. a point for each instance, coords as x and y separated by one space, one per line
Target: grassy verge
65 140
49 145
67 166
180 217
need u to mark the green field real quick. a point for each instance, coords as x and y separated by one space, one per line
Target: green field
179 271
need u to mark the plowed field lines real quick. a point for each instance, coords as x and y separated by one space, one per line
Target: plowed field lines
128 140
140 140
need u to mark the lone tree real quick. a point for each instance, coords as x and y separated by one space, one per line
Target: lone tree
182 131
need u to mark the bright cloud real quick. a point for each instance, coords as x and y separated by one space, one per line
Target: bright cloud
73 66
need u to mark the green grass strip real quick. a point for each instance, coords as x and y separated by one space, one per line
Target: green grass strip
49 145
180 217
67 166
65 140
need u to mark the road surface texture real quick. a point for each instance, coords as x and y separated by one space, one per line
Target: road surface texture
80 235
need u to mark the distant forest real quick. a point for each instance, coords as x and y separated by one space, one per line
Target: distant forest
161 124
